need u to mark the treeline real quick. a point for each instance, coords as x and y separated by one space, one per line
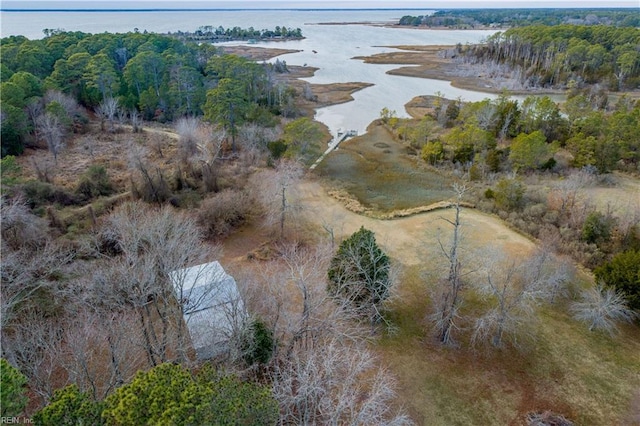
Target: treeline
133 75
557 56
505 135
210 33
462 18
500 143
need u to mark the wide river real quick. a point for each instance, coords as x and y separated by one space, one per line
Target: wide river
330 48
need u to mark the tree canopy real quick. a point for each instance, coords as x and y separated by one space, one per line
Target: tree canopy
360 274
13 398
554 55
169 394
159 76
623 273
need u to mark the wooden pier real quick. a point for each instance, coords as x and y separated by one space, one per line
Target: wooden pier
341 136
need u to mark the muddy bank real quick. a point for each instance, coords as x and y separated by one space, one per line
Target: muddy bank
436 62
256 53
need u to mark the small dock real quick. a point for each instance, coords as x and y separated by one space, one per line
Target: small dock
340 137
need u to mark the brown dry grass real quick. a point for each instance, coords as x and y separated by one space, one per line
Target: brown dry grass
588 377
102 149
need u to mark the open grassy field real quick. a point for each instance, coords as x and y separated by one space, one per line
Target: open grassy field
588 377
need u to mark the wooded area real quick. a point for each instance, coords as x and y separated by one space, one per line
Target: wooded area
129 76
566 56
506 18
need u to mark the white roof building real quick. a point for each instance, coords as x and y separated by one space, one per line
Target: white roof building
212 306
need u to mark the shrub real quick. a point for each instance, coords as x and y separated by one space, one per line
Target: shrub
602 308
10 170
277 148
153 188
70 406
41 193
432 152
489 194
257 346
623 274
13 398
597 228
509 194
94 183
225 211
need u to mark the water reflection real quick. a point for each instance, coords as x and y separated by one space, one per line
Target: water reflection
332 48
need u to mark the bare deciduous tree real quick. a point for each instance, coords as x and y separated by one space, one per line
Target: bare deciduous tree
513 288
321 372
67 102
277 192
568 199
136 120
209 149
289 292
190 132
20 227
51 130
34 345
107 111
154 187
102 349
45 169
336 383
28 271
602 308
448 299
153 244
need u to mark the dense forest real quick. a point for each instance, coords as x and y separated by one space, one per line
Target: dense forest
473 18
566 55
134 75
211 34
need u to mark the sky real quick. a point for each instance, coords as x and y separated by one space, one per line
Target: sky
313 4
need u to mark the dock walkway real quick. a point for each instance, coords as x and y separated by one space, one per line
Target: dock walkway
333 144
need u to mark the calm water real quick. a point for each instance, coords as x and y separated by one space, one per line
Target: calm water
334 46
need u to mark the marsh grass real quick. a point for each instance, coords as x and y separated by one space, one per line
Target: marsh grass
377 172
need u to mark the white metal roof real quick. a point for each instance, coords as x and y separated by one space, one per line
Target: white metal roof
212 305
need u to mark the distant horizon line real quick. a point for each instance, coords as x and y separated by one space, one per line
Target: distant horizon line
310 9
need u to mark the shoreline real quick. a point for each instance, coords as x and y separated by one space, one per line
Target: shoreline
433 62
419 61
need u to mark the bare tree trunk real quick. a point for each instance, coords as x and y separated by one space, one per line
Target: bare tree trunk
447 312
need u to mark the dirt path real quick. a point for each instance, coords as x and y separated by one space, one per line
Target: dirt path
410 239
